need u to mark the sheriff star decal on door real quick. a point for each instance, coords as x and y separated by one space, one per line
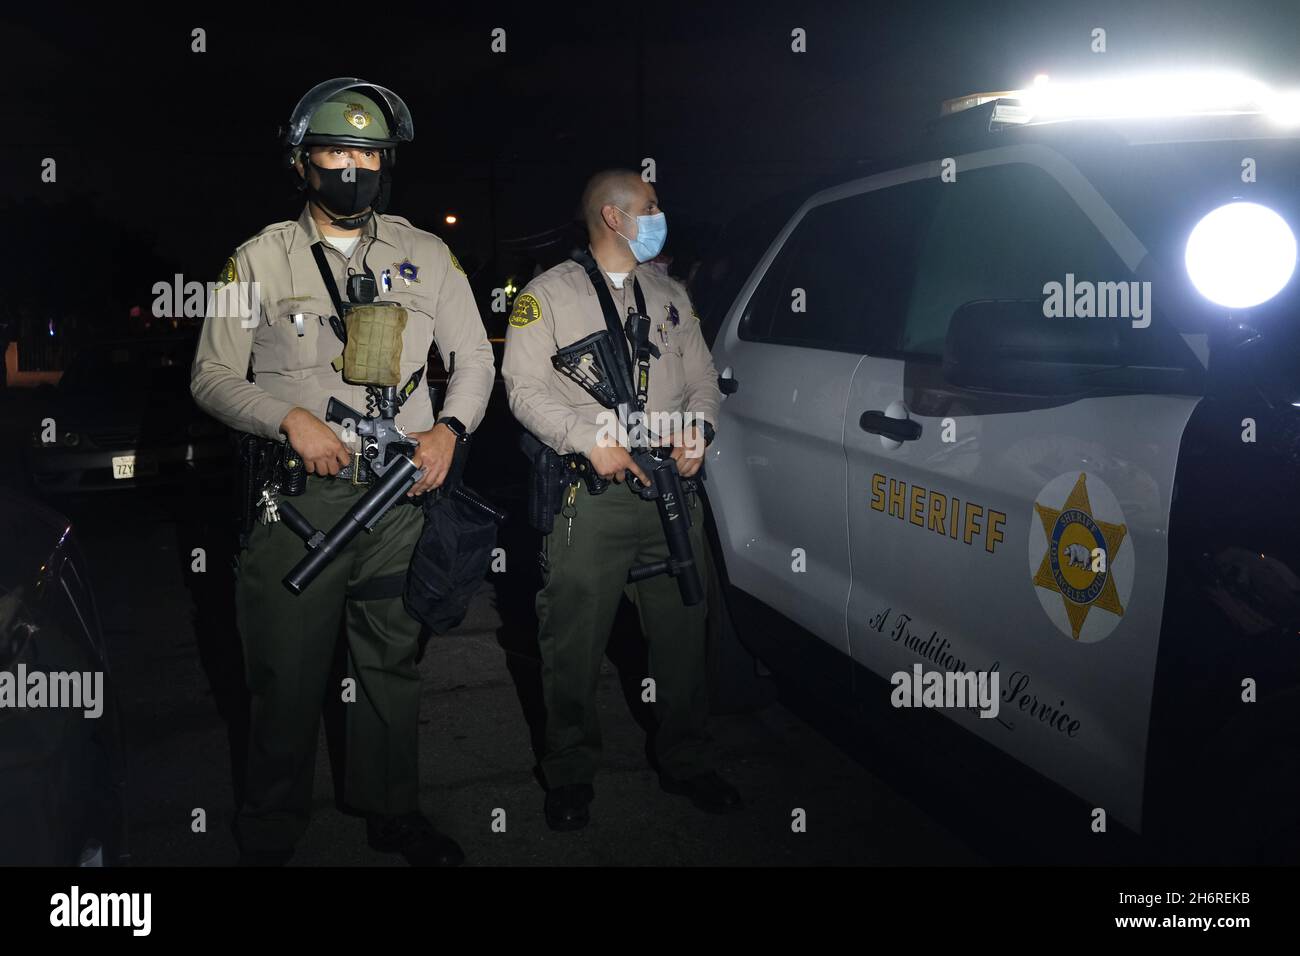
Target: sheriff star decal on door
1085 563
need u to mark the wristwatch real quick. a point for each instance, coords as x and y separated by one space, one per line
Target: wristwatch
457 426
708 433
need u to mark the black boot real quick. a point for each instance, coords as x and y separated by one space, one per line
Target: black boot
413 836
566 806
708 791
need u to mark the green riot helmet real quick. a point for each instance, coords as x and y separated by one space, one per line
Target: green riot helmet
348 111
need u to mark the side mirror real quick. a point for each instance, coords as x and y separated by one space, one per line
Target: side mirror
1008 345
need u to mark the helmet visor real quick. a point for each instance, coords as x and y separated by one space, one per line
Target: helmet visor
401 128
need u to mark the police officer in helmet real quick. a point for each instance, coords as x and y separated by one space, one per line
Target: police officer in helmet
272 377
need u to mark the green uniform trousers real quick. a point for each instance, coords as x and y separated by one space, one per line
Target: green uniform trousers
584 577
289 646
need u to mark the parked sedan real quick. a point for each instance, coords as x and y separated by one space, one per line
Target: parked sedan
62 777
122 417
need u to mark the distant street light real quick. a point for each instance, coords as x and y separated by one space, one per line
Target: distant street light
450 219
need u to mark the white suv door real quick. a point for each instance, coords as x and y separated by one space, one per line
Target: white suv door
795 336
1025 534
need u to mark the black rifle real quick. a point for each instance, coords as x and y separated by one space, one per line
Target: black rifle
387 452
598 364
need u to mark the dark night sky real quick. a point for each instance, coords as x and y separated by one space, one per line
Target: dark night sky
167 157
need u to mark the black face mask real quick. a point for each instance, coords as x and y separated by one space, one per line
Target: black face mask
341 197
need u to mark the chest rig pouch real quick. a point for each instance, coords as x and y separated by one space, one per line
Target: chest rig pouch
370 330
372 354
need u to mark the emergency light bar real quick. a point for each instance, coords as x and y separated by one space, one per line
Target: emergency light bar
1149 96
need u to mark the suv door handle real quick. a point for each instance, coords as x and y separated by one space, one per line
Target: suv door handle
899 429
727 385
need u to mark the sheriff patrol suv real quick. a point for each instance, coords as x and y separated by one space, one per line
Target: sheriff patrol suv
1031 404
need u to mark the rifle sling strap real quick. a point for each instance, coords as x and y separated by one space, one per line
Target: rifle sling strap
340 330
588 262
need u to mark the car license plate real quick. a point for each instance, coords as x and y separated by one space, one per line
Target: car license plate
128 466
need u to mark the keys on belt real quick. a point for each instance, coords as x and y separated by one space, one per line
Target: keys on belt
268 512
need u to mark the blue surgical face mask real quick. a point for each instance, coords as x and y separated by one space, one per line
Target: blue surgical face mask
651 233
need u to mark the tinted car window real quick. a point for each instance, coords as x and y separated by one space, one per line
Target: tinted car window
850 265
130 367
999 232
720 276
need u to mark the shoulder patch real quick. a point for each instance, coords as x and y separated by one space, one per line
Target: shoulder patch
229 273
527 310
455 263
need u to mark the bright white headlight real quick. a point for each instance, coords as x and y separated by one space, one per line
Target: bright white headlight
1240 255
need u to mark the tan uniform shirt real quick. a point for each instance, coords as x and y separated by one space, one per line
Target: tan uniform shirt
558 410
290 369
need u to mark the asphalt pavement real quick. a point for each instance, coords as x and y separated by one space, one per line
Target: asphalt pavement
176 664
477 763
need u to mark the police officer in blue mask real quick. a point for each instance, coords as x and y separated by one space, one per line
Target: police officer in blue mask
599 537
